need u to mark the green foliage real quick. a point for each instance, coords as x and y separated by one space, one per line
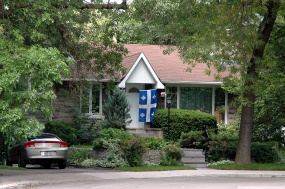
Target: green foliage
154 143
182 121
38 42
267 152
63 130
3 149
114 154
86 128
76 155
134 150
116 110
111 134
193 139
172 156
223 144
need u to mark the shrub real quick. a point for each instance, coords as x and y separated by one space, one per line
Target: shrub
76 155
134 151
64 130
221 147
266 152
116 110
155 143
3 149
172 156
109 134
114 155
182 121
192 139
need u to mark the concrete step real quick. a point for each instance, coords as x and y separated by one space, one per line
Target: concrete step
192 151
190 159
194 158
197 164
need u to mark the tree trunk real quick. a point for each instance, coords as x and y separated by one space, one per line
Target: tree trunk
243 154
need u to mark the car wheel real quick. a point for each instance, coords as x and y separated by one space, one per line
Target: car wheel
21 161
8 163
62 164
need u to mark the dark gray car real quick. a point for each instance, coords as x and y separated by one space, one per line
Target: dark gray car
44 149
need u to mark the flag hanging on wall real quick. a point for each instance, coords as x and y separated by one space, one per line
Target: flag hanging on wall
147 105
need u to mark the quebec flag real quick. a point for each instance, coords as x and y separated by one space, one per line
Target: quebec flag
147 105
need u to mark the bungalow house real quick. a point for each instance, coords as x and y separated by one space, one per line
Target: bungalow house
149 68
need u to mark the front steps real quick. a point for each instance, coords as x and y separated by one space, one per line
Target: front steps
148 132
194 158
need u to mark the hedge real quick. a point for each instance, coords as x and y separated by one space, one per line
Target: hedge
182 121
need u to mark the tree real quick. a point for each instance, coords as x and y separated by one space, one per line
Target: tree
39 43
116 110
229 35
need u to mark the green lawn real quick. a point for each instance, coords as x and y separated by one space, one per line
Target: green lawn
12 168
252 166
154 168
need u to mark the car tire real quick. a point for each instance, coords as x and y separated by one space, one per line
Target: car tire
21 161
8 163
62 164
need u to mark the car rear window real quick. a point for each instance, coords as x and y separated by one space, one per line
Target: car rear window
44 137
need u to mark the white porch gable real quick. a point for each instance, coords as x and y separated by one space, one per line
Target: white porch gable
141 72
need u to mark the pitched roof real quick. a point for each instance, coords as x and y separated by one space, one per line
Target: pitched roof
168 67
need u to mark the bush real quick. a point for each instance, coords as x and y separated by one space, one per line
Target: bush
108 134
76 155
183 121
172 156
116 110
154 143
193 139
134 151
63 130
3 149
266 152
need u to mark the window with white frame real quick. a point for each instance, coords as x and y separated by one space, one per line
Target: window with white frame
90 99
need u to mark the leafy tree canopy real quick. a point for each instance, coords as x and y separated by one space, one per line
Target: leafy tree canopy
227 34
40 42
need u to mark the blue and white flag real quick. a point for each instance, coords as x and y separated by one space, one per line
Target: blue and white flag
147 105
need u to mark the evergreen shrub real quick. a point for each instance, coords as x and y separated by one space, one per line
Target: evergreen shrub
182 121
63 130
265 152
192 139
116 110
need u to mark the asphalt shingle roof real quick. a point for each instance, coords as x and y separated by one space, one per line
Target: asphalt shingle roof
168 67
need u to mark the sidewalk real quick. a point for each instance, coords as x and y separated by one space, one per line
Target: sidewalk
202 172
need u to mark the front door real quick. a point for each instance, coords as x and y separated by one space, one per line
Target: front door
133 99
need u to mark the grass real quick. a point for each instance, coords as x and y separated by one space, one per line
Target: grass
154 168
252 166
12 168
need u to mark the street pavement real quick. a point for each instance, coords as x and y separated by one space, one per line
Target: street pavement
12 179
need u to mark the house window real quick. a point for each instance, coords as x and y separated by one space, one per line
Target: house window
172 93
219 98
90 100
196 98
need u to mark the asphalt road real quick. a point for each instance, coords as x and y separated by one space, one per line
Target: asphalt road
38 178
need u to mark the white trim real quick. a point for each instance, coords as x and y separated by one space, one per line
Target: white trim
158 84
213 100
226 107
